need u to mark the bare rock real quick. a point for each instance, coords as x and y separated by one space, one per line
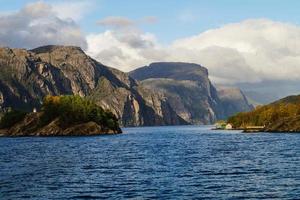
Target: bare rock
27 76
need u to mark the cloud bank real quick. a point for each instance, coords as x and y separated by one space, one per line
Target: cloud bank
118 22
38 24
250 51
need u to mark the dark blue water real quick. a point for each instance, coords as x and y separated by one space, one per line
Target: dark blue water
185 162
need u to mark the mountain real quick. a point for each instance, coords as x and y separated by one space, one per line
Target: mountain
27 76
280 116
268 91
233 100
190 92
261 97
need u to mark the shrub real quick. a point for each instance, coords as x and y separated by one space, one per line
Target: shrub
75 109
265 115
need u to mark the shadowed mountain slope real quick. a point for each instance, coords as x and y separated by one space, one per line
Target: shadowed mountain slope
27 76
190 92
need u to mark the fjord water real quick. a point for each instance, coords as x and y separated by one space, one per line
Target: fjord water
176 162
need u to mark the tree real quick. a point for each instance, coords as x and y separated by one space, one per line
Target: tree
75 109
12 117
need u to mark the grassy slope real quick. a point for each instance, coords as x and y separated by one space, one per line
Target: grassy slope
280 116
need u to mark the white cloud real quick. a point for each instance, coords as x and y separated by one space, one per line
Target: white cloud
250 51
72 9
125 46
116 22
37 24
122 50
270 50
149 20
119 22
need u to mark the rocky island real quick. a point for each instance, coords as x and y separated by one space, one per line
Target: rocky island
60 116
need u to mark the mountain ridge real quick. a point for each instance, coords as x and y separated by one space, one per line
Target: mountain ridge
26 76
189 90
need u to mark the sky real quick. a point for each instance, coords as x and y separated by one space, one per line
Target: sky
244 43
176 18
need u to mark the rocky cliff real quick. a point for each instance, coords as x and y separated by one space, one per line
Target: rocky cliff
233 100
27 76
190 92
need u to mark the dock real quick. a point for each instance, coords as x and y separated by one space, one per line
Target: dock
253 129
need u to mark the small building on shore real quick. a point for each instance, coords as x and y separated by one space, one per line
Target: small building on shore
228 126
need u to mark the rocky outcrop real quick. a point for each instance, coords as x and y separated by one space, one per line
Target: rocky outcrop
27 76
284 125
30 126
25 79
190 92
186 86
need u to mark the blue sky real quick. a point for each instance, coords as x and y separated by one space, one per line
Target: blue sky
179 18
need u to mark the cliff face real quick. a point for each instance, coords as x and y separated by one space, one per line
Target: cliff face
26 77
190 92
167 94
284 125
187 87
233 100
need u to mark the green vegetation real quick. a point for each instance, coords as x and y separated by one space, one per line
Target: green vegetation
75 109
220 124
267 115
11 117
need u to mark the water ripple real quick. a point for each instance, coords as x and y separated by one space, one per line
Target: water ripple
186 162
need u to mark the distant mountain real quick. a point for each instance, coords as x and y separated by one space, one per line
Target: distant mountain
265 92
233 100
261 97
190 92
280 116
27 76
